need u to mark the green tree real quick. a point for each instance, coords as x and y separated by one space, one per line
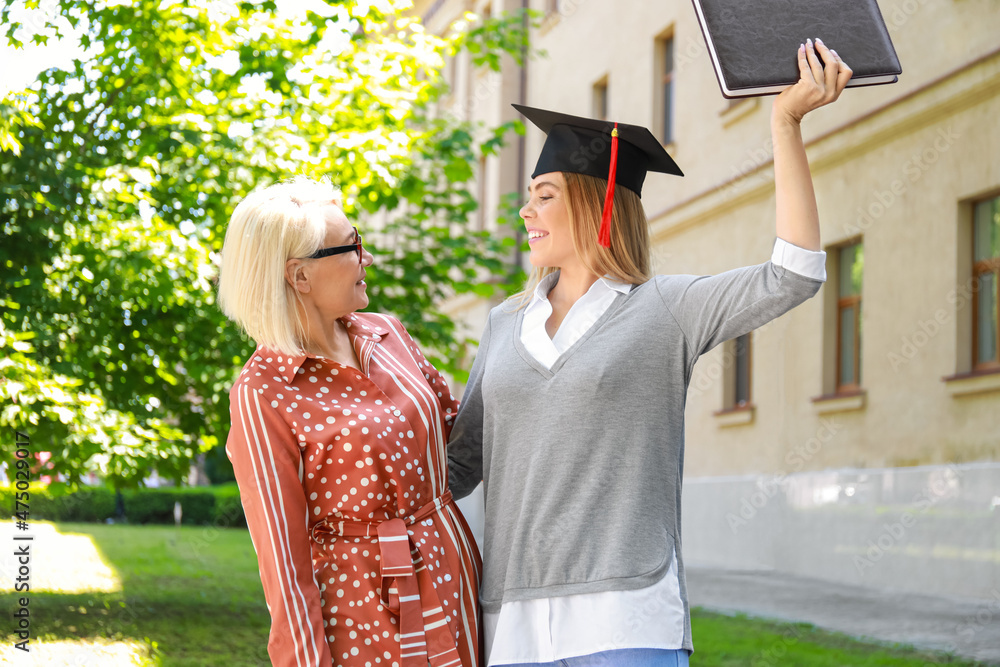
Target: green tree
14 113
118 175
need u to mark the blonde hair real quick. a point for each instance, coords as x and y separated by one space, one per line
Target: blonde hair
628 258
269 227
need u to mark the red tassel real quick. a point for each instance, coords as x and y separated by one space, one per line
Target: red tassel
604 238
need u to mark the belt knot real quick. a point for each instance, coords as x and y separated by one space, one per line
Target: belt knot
407 589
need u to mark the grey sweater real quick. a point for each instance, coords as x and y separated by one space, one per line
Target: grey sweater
582 464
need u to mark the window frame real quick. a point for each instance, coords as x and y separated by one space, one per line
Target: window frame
748 346
732 408
600 102
990 265
844 303
664 80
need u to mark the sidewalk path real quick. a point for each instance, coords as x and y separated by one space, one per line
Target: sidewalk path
966 627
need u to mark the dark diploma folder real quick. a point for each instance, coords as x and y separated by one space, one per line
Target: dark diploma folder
753 43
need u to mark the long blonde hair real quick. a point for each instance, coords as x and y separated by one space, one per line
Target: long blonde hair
269 227
627 260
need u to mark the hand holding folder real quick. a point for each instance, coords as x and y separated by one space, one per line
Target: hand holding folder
823 75
750 42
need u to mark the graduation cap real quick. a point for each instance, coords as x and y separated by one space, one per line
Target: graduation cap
618 152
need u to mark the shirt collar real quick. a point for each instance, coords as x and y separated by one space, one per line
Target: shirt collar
291 366
365 329
611 283
546 284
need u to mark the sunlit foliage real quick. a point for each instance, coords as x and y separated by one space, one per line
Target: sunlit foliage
118 175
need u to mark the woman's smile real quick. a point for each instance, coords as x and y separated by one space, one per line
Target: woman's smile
535 234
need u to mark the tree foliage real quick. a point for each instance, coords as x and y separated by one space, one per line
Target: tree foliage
118 176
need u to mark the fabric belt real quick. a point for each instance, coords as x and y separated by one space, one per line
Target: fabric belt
407 587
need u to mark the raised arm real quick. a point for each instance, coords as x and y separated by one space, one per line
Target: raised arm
713 309
818 85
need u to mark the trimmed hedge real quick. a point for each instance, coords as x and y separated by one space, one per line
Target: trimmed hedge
204 505
228 508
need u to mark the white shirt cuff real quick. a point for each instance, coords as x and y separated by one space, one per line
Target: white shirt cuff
808 263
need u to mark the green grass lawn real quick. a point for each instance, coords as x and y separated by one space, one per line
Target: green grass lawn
191 595
192 598
731 641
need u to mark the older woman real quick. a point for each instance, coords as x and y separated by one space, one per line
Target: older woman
337 441
574 412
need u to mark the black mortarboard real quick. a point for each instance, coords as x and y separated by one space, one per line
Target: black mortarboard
617 152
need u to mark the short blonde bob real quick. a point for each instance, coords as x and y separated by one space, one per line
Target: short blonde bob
269 227
628 260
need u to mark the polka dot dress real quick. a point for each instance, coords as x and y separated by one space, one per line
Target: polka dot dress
343 479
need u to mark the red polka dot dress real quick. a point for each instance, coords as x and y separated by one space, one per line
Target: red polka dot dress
364 558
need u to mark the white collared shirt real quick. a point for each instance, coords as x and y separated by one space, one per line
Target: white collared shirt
587 310
551 629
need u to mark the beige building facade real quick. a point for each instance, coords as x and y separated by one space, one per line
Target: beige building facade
880 398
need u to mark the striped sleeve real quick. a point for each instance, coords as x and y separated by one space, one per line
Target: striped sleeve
266 461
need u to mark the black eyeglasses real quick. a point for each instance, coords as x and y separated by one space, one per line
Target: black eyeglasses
340 249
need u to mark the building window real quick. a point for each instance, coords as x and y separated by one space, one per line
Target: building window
986 281
850 270
736 373
741 371
600 99
665 89
737 407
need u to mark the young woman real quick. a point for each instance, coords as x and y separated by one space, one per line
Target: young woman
574 412
337 442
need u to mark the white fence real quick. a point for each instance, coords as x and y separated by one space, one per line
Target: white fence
929 529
